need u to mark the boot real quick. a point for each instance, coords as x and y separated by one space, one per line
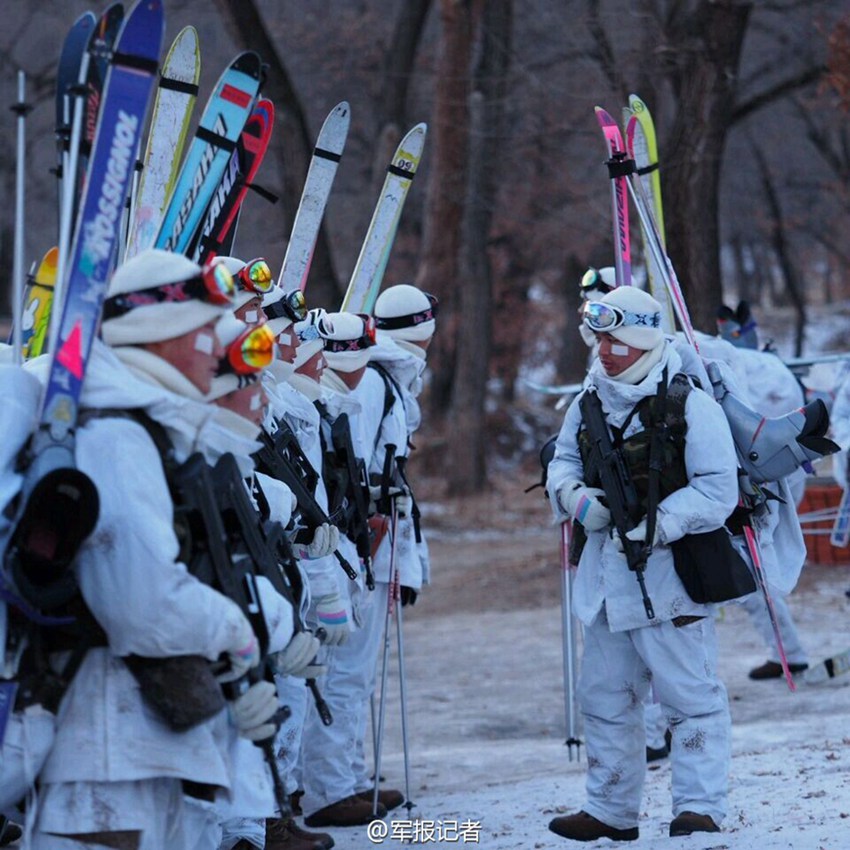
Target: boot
352 811
389 798
584 827
688 822
295 802
772 670
285 834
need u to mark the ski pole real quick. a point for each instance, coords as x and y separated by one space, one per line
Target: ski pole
409 804
569 648
382 702
20 109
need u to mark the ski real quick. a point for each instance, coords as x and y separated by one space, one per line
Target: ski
225 115
51 477
619 196
220 217
643 148
176 93
314 199
38 298
828 669
67 74
372 261
100 52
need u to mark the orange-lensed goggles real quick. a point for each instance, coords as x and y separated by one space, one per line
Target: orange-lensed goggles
252 351
255 276
214 285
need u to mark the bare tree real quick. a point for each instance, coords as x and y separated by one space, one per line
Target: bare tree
448 143
291 141
467 455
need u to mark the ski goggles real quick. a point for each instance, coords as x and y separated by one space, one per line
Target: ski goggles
592 281
292 306
250 352
255 276
411 319
214 285
361 343
603 318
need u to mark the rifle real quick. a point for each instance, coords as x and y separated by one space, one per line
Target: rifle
351 475
281 457
620 492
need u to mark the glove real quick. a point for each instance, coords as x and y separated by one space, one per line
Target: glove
296 658
638 533
408 596
244 655
584 504
325 540
332 617
404 505
253 712
376 496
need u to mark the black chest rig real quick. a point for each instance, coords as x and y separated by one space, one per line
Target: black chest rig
653 413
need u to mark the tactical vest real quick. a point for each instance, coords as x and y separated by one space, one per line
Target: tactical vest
635 449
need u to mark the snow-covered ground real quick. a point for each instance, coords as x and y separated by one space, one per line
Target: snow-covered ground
488 761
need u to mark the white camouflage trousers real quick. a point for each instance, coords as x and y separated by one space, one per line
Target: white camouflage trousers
616 671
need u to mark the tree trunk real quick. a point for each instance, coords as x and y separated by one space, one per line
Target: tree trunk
782 249
448 142
398 71
704 81
291 141
467 453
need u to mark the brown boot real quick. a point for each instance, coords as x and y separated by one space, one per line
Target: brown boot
584 827
688 822
352 811
285 834
773 670
389 798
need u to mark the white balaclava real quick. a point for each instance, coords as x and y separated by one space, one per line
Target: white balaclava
407 315
156 320
646 334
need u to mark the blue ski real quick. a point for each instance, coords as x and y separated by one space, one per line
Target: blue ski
52 487
224 117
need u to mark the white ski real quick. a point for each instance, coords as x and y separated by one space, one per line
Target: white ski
314 199
169 128
369 269
828 669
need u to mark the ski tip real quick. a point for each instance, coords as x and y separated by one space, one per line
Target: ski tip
248 63
604 117
636 104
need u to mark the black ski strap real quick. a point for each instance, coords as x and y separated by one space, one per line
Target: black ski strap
178 85
221 142
656 442
389 396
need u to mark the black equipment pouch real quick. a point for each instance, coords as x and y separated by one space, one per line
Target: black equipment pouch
710 567
182 689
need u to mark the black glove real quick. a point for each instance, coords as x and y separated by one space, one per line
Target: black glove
408 596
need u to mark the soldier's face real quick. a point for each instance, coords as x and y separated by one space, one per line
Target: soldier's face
616 356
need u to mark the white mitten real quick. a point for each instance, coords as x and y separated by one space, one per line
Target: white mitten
333 618
243 655
638 533
253 711
585 505
296 658
325 540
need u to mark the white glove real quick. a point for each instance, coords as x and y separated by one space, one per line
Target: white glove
583 504
638 533
252 712
243 655
333 618
325 540
296 658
